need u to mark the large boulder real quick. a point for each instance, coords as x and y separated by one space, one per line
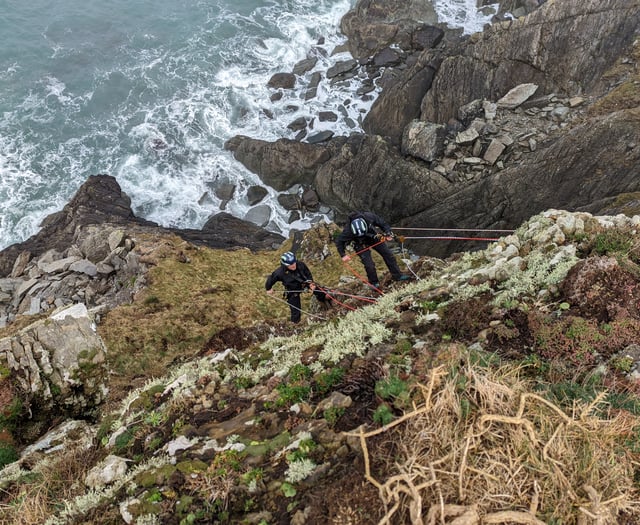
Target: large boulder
400 103
367 173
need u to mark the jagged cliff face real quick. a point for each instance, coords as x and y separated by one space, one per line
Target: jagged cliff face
572 143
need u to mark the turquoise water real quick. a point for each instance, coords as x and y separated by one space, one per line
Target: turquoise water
149 92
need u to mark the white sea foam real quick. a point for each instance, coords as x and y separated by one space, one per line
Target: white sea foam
464 14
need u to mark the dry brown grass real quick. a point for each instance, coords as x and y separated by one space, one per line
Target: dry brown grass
512 457
33 501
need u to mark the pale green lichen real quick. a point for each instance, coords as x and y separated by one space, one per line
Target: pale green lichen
299 470
91 499
542 271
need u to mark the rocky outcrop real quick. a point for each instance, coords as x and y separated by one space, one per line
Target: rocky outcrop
100 268
57 364
281 164
101 207
588 168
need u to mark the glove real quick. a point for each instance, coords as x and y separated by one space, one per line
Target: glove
389 236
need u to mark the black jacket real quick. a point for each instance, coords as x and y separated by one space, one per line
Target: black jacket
374 223
297 279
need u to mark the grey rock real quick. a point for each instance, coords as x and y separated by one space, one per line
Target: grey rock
84 266
467 136
116 239
517 96
305 65
259 215
341 68
20 263
60 265
424 140
493 151
255 194
322 136
282 81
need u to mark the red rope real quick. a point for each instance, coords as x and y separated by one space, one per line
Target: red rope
332 298
364 281
454 230
455 238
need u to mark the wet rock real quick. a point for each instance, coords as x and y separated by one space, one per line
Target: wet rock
282 81
259 215
305 65
255 194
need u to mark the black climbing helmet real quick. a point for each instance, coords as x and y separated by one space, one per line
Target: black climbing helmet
359 227
288 258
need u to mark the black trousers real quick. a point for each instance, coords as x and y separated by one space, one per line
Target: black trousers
293 299
387 257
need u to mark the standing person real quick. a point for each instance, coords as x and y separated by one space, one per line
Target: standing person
295 277
365 229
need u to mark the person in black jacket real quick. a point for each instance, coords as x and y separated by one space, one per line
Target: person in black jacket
295 277
364 229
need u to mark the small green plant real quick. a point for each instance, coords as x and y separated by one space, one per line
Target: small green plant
622 363
8 454
288 490
154 419
252 476
324 382
11 414
535 363
124 440
154 497
429 306
151 300
291 394
299 373
612 241
403 346
332 415
242 383
305 447
383 415
393 389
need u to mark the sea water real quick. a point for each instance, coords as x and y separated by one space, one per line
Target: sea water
149 92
